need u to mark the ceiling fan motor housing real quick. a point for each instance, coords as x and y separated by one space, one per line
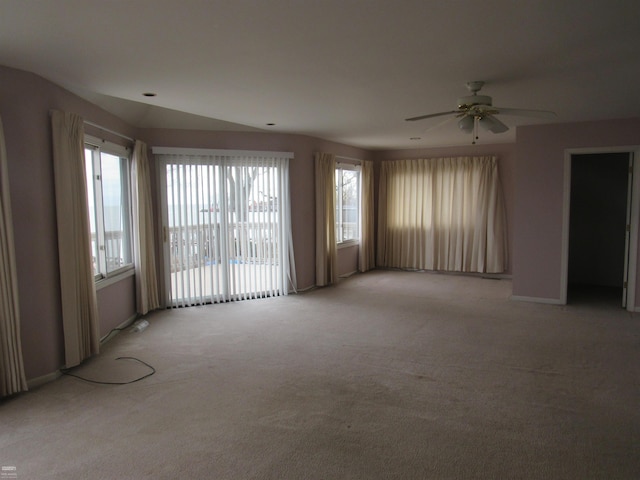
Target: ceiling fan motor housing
473 100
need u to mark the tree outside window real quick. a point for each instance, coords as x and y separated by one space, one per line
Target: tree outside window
347 203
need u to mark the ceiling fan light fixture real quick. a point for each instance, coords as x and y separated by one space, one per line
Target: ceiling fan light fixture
487 123
475 109
492 124
466 124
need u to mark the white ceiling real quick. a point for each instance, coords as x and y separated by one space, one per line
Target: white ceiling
345 70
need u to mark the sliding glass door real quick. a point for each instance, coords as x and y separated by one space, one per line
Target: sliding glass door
226 227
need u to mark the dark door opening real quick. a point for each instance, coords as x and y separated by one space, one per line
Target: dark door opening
598 228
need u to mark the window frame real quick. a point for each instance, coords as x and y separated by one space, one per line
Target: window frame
98 146
338 205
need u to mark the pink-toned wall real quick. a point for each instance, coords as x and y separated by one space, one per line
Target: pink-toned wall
116 304
25 104
506 167
348 260
531 172
539 183
24 107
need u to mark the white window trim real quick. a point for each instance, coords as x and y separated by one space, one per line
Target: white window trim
108 278
357 168
108 147
115 277
348 243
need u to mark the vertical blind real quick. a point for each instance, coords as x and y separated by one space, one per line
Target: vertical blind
227 226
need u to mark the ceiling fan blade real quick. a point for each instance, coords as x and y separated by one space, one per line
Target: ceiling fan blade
526 113
440 124
422 117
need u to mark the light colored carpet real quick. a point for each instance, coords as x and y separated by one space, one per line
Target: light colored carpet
387 375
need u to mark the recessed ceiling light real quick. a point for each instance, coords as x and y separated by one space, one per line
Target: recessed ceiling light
149 94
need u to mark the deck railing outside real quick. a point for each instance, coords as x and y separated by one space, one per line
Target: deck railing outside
200 245
114 248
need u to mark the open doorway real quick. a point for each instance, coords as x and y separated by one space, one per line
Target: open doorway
599 228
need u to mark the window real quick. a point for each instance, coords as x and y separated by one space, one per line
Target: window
108 196
443 214
347 203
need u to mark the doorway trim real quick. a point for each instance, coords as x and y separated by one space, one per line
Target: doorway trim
635 212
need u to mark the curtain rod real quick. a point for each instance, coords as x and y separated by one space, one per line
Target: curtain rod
350 159
100 127
209 152
87 122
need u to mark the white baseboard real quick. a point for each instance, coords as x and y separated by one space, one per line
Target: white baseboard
38 381
347 275
129 321
490 276
50 377
497 276
555 301
123 325
307 289
548 301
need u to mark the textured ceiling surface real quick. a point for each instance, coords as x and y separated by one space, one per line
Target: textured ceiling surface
349 71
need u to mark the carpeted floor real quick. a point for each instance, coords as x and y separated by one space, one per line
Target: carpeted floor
388 375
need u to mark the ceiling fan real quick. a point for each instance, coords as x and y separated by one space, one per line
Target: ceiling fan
477 110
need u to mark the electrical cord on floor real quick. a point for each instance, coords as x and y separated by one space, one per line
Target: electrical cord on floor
66 371
117 329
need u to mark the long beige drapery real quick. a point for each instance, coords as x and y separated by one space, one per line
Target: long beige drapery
442 214
367 254
79 306
326 249
12 377
143 245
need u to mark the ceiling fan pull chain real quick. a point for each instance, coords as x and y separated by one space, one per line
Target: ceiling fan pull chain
475 130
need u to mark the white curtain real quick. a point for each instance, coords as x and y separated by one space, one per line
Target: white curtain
442 214
326 249
78 295
227 226
143 245
366 254
12 378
